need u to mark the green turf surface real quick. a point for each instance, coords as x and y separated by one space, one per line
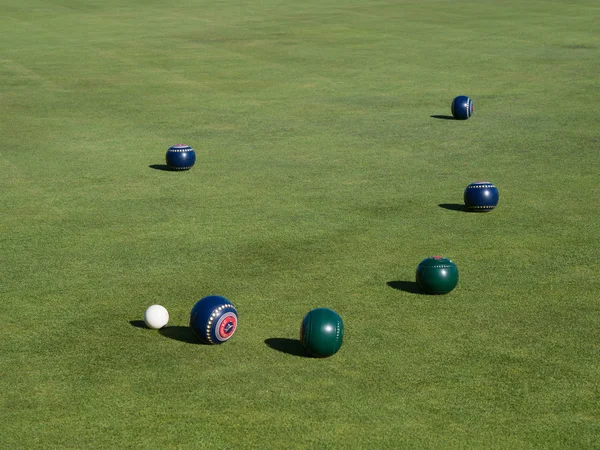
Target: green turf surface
319 177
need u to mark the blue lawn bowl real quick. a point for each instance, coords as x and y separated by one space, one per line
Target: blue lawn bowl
213 319
180 157
481 196
462 107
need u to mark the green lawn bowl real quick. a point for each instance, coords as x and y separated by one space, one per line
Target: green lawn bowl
437 275
322 332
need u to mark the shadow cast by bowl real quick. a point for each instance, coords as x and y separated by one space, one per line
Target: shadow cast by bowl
181 334
160 167
406 286
138 324
290 346
454 207
442 116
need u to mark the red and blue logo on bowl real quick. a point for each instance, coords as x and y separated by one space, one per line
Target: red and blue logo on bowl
226 326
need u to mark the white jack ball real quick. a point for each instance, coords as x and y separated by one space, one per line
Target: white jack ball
156 317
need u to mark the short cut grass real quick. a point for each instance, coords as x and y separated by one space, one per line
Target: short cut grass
318 183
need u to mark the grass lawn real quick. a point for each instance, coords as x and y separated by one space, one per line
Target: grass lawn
322 180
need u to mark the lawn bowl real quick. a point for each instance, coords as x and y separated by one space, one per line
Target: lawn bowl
437 275
462 107
481 196
322 332
213 319
180 157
